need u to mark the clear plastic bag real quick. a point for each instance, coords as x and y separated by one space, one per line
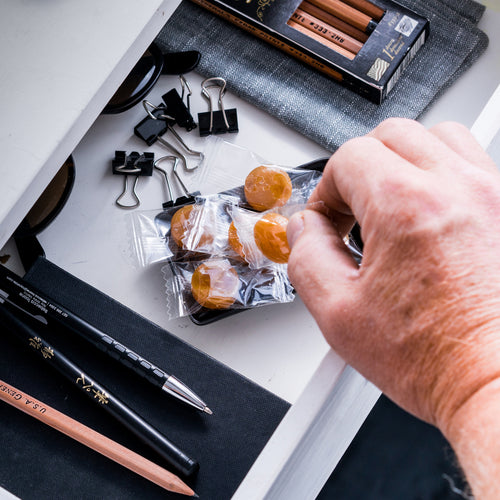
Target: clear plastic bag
180 232
228 250
226 167
148 241
222 284
261 236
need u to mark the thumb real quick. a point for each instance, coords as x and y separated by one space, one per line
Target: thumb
320 266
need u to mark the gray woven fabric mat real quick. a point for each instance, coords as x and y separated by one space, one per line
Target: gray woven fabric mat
311 103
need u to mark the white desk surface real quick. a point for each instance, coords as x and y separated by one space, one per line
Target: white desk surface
279 347
61 62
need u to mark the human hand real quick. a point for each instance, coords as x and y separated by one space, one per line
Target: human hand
420 317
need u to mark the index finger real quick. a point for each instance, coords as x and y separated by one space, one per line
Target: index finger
362 174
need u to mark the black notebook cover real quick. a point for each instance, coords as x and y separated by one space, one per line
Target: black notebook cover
39 462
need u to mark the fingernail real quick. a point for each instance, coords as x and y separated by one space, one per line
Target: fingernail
294 228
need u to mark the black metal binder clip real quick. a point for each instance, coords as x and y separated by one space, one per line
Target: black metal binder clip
153 126
177 109
221 121
158 123
188 197
138 164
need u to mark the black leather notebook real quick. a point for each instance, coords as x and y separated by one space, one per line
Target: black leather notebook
39 462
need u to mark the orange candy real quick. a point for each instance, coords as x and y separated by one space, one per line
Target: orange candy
215 284
270 236
183 226
267 187
234 240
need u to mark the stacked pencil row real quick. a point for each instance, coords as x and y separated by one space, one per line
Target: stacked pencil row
342 25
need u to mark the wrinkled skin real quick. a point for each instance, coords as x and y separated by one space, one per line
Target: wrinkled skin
421 316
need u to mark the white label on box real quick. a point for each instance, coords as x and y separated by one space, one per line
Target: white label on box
406 26
379 67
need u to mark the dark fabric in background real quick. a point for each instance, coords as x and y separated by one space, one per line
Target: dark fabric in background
311 103
395 456
39 462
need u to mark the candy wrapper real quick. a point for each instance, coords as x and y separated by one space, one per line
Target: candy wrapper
228 250
226 169
220 284
260 238
183 232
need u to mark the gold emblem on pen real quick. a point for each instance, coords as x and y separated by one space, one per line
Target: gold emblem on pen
36 343
101 396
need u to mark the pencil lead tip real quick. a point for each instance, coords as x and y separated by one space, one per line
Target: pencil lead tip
195 495
208 410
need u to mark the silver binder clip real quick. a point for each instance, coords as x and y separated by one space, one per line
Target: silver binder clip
170 201
157 123
188 197
133 194
184 86
136 164
218 121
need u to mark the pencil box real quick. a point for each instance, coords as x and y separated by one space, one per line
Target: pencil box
363 45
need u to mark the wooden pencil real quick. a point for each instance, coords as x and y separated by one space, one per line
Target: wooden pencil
320 39
345 12
368 8
93 440
333 21
326 31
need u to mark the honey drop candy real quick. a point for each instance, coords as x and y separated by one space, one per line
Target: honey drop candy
267 187
215 284
270 237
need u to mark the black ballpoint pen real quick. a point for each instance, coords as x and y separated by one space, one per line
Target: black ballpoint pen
31 337
21 294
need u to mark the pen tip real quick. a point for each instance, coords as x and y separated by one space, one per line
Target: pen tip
208 410
194 495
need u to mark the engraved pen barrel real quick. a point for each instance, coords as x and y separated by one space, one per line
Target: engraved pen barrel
173 455
36 304
24 296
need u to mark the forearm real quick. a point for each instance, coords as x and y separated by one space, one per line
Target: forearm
474 433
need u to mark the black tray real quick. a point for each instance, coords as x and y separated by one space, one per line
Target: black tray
206 316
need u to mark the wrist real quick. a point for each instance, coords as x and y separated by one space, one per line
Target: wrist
474 433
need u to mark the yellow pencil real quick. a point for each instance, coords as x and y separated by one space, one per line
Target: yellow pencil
367 8
93 440
334 21
347 13
326 31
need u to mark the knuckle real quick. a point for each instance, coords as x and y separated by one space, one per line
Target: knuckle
355 144
450 128
393 127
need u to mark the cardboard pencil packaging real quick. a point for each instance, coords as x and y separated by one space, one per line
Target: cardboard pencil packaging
363 45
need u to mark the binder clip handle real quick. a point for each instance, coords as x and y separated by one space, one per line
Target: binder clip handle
216 121
136 164
170 201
